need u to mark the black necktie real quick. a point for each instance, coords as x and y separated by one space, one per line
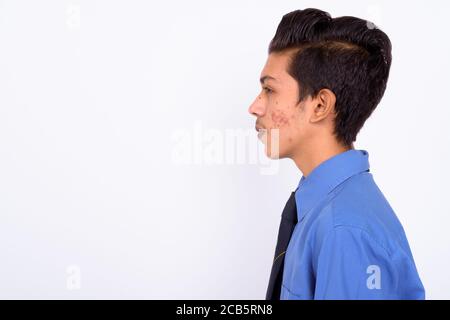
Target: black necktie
287 224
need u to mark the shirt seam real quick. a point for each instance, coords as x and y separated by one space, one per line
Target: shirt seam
290 292
338 226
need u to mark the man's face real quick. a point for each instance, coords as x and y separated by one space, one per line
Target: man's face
279 115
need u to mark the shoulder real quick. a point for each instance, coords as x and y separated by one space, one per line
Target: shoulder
358 209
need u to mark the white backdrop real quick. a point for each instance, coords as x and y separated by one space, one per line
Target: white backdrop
98 100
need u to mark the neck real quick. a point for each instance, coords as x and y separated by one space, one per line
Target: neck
309 157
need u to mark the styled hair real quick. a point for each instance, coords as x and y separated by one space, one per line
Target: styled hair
347 55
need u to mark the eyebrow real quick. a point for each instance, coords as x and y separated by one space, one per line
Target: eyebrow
264 78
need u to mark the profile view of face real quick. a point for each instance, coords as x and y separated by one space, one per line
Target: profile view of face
281 121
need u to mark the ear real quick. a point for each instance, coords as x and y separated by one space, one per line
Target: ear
324 104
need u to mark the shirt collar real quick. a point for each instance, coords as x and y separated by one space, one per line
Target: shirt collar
327 176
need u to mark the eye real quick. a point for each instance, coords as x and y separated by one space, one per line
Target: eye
267 90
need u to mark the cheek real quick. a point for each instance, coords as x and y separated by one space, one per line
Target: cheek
289 121
279 119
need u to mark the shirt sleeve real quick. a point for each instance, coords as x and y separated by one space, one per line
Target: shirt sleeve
352 265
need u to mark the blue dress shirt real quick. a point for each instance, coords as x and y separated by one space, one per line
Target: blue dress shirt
348 242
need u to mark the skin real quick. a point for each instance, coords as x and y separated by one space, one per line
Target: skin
305 129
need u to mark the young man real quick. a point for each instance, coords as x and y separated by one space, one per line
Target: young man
339 238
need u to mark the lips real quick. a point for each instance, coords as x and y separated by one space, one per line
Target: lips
261 131
258 127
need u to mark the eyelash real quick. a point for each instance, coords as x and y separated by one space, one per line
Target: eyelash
268 90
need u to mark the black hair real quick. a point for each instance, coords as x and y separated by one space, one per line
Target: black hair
347 55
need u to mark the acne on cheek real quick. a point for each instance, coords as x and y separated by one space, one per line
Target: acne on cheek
279 119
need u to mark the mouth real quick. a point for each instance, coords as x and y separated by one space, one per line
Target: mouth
259 126
261 131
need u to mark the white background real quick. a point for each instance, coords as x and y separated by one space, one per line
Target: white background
91 93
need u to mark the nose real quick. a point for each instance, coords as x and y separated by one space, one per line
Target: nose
257 108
